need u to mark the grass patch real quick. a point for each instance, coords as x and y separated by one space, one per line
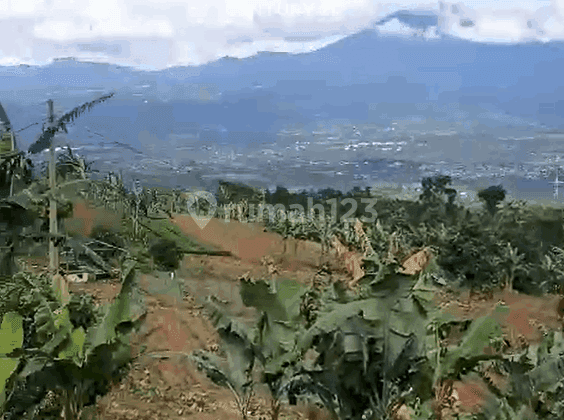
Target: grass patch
165 229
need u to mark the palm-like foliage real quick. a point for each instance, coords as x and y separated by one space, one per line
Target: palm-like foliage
552 265
46 137
281 225
514 214
322 230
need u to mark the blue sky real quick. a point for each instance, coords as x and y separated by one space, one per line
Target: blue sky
157 34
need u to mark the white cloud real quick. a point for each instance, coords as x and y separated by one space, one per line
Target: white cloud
504 21
395 27
197 32
509 28
20 8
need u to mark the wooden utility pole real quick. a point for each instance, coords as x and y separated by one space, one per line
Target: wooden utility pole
53 250
49 135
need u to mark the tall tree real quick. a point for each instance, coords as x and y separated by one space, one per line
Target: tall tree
491 197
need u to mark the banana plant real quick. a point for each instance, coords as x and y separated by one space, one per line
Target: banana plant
447 363
238 376
535 387
512 261
80 362
237 373
70 167
11 338
362 355
323 230
369 350
282 226
515 212
270 346
552 265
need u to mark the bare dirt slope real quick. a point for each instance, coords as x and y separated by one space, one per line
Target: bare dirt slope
164 385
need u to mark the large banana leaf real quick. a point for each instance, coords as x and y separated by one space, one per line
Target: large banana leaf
282 305
364 316
212 366
471 350
279 322
74 350
536 375
369 346
236 374
127 308
239 343
11 338
548 375
70 358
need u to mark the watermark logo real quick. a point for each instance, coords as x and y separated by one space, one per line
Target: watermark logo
297 213
193 202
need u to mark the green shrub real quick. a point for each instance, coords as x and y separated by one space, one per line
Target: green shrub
166 254
109 236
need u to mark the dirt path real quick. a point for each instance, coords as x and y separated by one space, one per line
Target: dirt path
162 382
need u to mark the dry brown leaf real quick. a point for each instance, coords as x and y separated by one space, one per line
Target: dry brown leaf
417 262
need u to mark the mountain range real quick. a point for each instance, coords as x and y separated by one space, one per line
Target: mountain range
365 78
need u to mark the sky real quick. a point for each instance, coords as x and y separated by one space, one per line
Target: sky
157 34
